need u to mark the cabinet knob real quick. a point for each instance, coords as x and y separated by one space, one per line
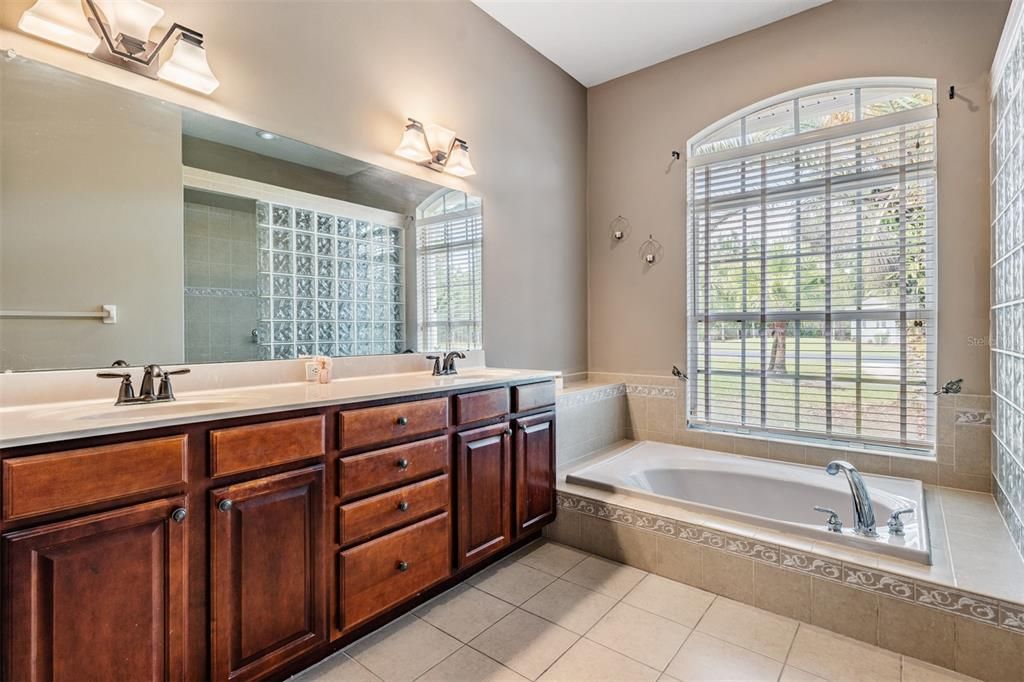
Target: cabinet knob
402 463
402 421
402 566
179 514
508 432
403 506
225 505
522 427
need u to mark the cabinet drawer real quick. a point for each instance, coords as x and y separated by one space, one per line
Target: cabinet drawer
373 425
382 469
395 508
475 407
376 575
41 484
245 448
533 396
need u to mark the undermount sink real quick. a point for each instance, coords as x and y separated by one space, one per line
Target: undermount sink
147 410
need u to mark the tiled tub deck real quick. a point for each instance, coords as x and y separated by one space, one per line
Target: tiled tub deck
911 609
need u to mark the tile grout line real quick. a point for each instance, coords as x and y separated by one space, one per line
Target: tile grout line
361 665
792 643
685 639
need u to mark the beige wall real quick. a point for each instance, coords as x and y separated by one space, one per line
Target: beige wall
112 235
638 315
344 75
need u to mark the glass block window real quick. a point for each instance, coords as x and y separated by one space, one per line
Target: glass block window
812 268
449 251
1007 343
328 284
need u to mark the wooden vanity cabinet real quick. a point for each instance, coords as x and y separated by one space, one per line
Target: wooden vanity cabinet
483 460
266 573
102 597
534 471
248 548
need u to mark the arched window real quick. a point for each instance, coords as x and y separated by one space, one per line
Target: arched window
812 255
449 251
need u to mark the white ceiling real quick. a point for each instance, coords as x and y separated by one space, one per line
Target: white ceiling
597 40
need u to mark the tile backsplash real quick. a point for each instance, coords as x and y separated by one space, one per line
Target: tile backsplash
220 279
655 409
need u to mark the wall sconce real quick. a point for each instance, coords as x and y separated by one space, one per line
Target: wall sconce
116 32
651 251
435 147
619 228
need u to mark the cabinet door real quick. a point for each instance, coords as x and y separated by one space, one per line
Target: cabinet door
98 598
535 471
266 573
484 460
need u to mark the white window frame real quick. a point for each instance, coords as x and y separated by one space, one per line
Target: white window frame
423 320
762 315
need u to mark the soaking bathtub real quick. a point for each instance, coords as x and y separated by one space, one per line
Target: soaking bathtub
765 493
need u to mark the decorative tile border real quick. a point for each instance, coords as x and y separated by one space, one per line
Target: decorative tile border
876 581
1011 616
649 391
1007 615
816 566
215 291
973 418
586 396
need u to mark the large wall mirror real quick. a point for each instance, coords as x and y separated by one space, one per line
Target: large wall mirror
132 229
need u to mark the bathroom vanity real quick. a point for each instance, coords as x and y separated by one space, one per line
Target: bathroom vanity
237 533
248 547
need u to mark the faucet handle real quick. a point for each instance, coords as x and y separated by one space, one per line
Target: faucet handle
166 392
114 375
126 392
437 364
896 523
834 523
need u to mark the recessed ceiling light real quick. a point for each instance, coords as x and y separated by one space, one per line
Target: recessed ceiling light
264 135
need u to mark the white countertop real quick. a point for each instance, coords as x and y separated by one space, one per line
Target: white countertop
50 422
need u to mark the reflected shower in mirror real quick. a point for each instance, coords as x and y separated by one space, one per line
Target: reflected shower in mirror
212 241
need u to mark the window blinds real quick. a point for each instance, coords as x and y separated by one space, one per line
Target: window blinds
812 275
448 257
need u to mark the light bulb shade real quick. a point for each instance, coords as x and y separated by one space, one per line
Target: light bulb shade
414 145
458 162
188 67
439 138
60 21
133 18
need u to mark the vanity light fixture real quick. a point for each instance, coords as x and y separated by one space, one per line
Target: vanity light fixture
116 32
437 148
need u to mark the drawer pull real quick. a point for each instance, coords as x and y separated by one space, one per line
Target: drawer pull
402 421
402 463
179 515
403 506
508 432
522 427
403 566
225 505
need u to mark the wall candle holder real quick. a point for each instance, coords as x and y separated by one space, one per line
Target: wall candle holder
651 251
619 228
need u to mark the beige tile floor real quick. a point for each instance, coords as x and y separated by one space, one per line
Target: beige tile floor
551 612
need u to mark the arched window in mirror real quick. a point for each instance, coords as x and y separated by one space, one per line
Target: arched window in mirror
449 251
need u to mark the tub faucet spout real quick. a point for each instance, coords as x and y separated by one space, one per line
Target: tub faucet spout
863 511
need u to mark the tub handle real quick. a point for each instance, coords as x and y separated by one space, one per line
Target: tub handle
834 523
896 523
